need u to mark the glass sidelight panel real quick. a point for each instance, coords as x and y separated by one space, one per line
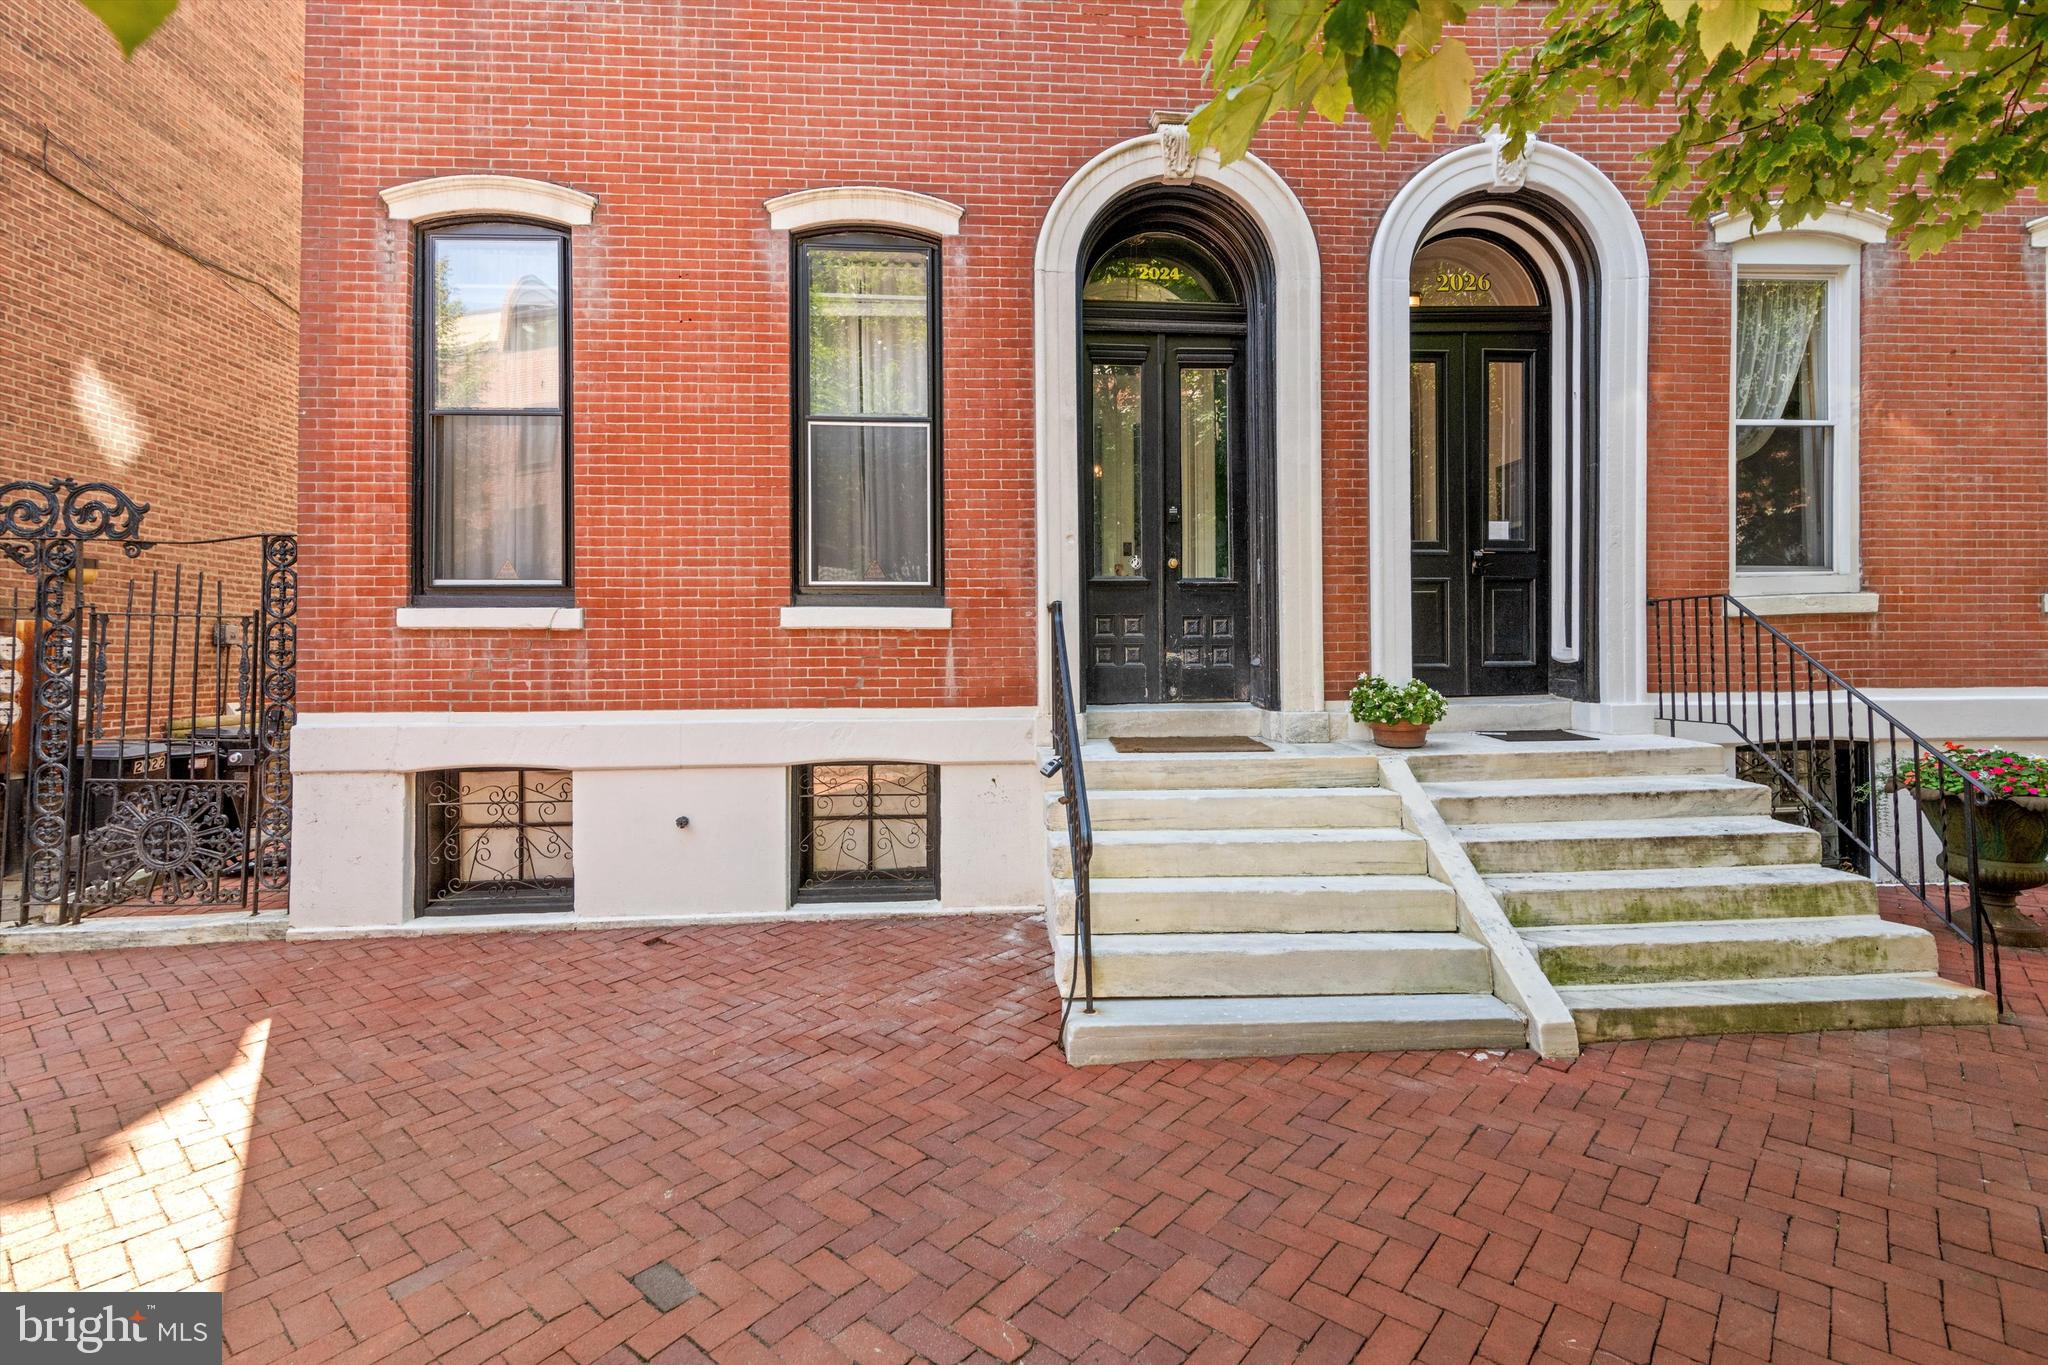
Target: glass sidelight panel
1205 471
1507 446
1425 452
1119 399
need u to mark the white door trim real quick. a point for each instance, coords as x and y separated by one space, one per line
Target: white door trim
1161 158
1623 303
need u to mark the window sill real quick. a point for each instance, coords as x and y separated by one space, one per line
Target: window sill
1809 603
867 618
490 618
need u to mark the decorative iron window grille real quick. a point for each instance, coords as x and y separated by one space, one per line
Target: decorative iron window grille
1837 772
867 831
497 840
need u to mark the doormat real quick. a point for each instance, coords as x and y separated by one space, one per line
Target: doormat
1533 736
1189 744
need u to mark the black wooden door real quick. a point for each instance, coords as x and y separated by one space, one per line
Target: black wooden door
1164 536
1479 503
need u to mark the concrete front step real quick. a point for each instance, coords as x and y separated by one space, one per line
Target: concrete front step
1179 720
1133 966
1141 1030
1625 756
1237 808
1532 800
1110 771
1616 954
1594 845
1645 895
1777 1005
1278 905
1244 853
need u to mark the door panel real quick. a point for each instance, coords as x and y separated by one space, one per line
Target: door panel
1122 451
1165 474
1479 458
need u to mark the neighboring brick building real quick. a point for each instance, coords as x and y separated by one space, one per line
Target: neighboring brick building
657 562
149 281
149 263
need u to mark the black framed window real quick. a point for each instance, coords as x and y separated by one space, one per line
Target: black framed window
494 840
867 416
493 426
866 831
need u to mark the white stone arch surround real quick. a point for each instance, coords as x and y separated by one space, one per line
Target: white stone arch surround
1619 372
1162 158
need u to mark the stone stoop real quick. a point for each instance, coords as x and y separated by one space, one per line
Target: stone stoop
1662 900
1260 904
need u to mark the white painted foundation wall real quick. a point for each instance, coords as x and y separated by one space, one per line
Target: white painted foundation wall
355 860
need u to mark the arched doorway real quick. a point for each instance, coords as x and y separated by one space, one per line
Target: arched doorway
1479 362
1568 228
1174 462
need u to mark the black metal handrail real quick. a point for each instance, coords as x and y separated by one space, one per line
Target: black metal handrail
1716 662
1066 761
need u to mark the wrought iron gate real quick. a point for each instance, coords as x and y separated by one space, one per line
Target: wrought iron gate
145 721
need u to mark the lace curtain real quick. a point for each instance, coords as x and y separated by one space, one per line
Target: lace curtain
1775 323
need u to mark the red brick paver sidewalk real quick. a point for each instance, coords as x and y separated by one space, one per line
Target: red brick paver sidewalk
855 1140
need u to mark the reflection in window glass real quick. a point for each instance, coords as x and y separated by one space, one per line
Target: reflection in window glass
1469 272
1784 427
1205 472
1118 395
494 443
1425 476
1156 267
497 322
1782 480
869 332
869 486
1507 436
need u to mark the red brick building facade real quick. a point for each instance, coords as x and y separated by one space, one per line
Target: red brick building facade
692 660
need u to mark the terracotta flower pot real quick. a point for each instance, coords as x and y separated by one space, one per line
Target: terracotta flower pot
1406 735
2012 856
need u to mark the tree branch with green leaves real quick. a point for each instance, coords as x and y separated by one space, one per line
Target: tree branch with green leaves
1930 111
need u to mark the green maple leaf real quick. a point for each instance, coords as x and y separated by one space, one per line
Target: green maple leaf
131 21
1437 83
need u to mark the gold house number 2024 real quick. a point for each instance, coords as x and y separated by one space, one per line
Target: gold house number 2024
1449 281
1150 271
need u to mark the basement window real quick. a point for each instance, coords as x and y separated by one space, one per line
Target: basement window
497 841
866 831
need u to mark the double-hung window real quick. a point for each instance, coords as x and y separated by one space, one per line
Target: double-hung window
493 426
867 427
1793 432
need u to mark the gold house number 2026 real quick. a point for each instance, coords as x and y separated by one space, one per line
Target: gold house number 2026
1449 281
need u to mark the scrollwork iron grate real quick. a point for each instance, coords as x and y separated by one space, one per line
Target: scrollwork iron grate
497 840
866 831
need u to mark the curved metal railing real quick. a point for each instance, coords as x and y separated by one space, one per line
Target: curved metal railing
1716 662
1066 762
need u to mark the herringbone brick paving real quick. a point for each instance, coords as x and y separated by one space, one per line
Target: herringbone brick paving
856 1140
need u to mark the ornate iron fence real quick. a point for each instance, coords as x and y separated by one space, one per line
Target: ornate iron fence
1714 662
147 717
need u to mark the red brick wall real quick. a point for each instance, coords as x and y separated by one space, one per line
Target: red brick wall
684 118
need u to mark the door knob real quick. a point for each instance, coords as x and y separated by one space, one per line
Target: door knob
1173 563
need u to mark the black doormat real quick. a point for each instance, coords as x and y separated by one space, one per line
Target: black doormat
1532 736
1189 744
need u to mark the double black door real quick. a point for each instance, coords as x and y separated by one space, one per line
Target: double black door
1163 524
1479 507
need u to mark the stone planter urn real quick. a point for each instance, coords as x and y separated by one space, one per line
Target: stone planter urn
2012 856
1407 735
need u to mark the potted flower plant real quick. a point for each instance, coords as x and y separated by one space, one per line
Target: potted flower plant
1400 714
2011 827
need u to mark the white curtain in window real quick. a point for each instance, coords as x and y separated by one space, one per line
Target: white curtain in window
1775 322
